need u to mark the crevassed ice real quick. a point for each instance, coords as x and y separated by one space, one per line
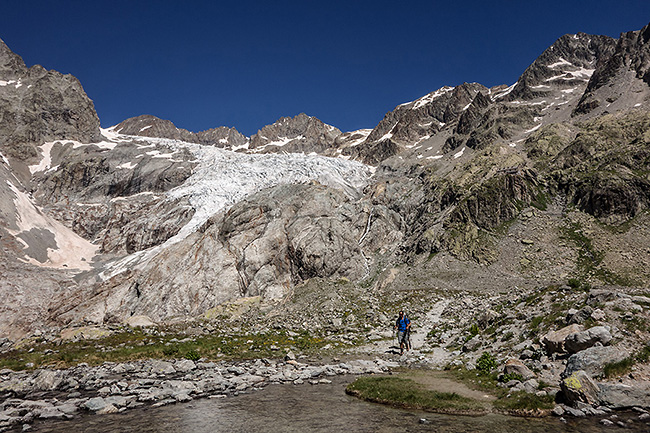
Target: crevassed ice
223 178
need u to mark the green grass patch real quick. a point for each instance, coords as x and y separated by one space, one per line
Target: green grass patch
401 392
131 345
616 369
522 401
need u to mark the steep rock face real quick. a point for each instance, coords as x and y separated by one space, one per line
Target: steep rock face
604 170
616 73
416 121
90 173
263 246
38 106
151 126
301 133
569 62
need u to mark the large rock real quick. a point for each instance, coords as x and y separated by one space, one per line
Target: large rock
514 366
579 387
95 404
554 340
620 396
48 380
593 360
585 339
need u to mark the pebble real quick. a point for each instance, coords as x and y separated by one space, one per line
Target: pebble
157 383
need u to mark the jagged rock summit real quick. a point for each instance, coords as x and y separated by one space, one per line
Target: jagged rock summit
38 106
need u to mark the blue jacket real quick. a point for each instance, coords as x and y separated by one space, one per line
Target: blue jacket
402 323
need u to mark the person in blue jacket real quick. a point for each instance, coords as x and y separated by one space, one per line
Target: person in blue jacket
403 326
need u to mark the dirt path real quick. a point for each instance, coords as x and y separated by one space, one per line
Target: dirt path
441 382
389 349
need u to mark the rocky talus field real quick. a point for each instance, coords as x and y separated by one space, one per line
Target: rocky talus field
144 264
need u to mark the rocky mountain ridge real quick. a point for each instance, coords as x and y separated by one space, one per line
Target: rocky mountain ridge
130 220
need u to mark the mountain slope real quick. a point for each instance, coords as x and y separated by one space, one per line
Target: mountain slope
471 188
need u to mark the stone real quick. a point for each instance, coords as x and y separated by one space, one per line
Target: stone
184 365
593 360
554 340
574 412
531 386
580 387
514 366
558 410
473 344
575 316
139 321
95 404
621 396
585 339
48 380
161 367
598 315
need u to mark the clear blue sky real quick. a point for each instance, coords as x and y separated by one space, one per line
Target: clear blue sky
203 64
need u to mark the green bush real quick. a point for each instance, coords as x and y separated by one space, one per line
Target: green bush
486 363
507 377
192 355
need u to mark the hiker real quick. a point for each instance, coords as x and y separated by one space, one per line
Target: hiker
403 326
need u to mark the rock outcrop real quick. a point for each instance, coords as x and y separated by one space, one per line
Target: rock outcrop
38 106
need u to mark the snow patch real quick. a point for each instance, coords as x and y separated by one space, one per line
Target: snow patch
560 62
72 252
145 128
364 135
459 154
533 129
435 157
504 92
46 160
427 99
15 83
127 165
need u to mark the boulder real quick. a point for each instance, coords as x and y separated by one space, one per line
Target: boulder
593 360
514 366
585 339
139 321
579 387
96 404
162 367
578 316
620 396
48 380
108 409
472 344
184 365
554 340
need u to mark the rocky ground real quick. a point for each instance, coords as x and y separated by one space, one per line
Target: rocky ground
584 346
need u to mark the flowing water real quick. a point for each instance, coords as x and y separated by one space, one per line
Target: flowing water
306 408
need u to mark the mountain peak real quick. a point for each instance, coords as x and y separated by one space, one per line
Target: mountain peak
301 133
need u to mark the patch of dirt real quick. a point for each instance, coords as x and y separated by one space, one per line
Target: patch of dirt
440 381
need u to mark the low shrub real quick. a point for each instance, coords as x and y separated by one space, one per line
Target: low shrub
486 363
